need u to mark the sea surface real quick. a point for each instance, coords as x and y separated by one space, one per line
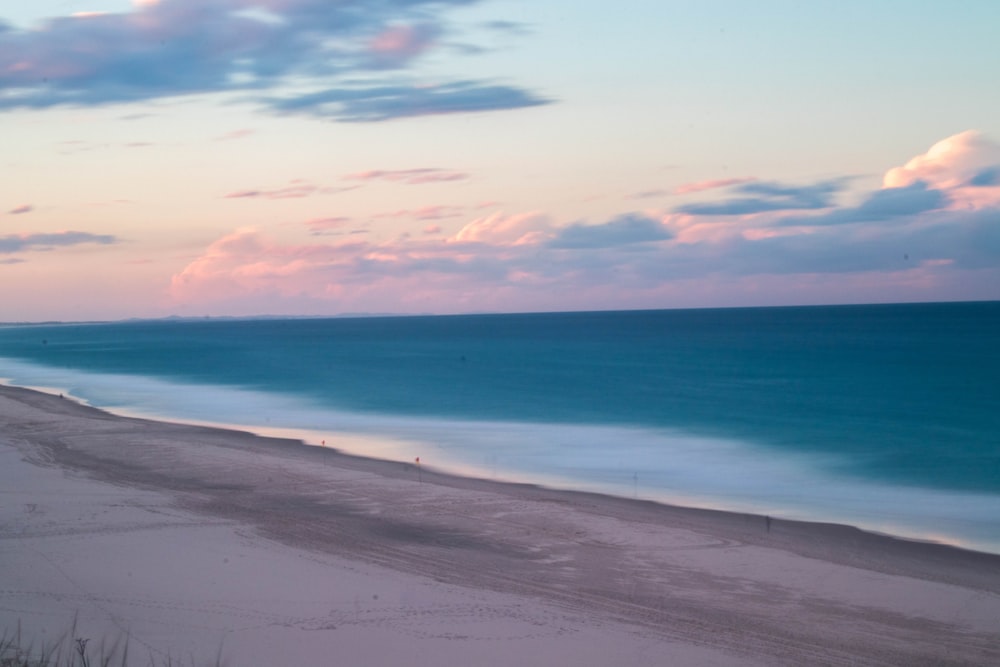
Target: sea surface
882 416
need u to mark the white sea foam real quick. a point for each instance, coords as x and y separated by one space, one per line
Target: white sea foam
656 464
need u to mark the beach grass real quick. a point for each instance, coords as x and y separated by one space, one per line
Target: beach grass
72 650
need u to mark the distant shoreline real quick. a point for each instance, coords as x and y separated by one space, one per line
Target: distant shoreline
226 318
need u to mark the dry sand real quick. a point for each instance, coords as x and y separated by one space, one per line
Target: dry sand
192 539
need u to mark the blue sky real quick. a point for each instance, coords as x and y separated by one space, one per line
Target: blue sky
316 157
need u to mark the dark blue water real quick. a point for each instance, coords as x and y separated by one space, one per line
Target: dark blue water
866 399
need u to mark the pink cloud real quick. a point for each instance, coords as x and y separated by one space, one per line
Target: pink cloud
23 208
296 189
409 176
957 165
432 229
245 267
245 270
500 229
701 186
434 212
236 262
245 264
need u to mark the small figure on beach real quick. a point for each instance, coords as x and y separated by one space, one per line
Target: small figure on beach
767 522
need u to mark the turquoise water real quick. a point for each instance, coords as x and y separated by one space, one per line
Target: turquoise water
886 416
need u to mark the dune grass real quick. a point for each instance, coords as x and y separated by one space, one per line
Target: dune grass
71 650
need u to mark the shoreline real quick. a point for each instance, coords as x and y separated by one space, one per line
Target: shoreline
387 466
754 589
964 519
394 455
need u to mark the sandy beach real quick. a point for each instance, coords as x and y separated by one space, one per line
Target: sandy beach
198 542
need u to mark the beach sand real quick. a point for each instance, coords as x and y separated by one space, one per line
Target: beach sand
195 541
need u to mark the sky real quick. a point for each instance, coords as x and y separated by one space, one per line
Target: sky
323 157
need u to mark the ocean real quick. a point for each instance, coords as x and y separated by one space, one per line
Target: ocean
882 416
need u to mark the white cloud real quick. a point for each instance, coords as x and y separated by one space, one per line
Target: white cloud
950 163
500 229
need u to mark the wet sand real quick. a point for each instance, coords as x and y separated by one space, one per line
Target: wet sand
189 539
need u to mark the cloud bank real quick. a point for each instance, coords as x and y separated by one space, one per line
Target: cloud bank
183 47
914 238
